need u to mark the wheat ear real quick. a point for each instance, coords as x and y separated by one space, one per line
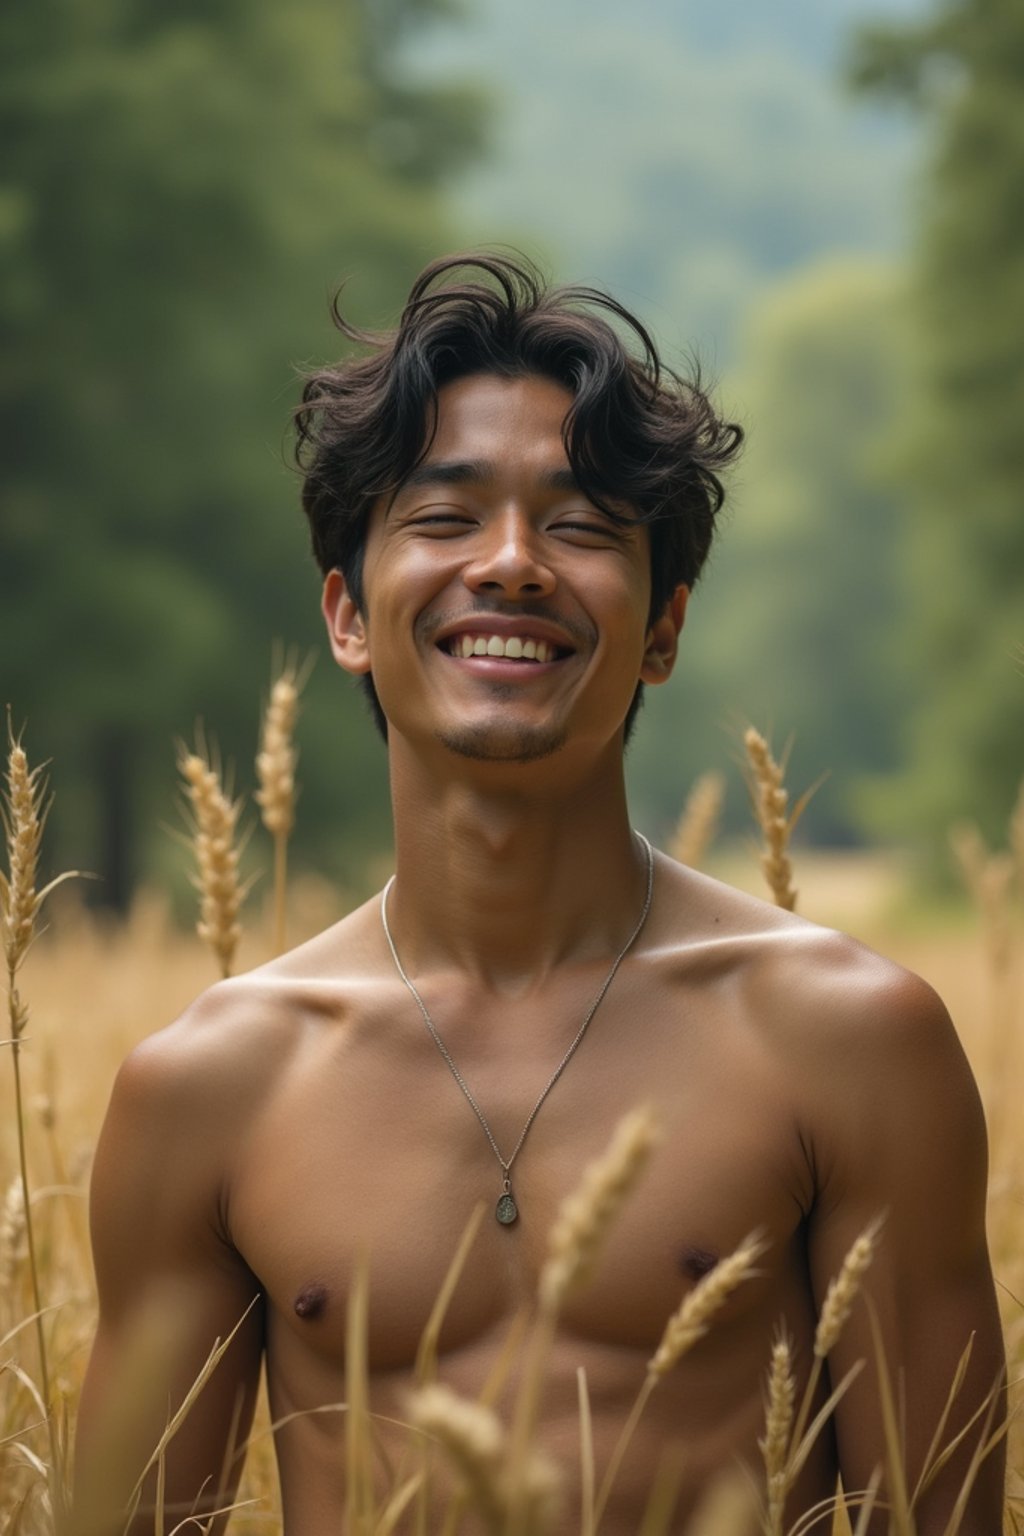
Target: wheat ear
13 1246
689 1323
475 1442
692 1319
839 1298
214 833
843 1289
586 1216
771 807
778 1425
770 799
699 820
275 768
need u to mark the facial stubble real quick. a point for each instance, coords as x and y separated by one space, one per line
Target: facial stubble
503 743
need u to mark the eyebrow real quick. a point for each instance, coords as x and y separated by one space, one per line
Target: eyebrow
477 472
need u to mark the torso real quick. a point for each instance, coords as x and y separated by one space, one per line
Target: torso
353 1139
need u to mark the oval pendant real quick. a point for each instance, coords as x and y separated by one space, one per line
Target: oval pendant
506 1210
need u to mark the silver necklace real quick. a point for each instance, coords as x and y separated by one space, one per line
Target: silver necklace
506 1209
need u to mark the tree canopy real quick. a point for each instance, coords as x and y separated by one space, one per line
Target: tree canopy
961 452
183 189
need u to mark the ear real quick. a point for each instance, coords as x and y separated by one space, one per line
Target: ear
663 639
345 627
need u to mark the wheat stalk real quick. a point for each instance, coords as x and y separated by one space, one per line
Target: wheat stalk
25 807
215 822
586 1216
699 820
275 769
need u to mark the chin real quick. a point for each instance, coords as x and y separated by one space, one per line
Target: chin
492 744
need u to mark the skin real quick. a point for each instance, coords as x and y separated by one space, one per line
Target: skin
804 1084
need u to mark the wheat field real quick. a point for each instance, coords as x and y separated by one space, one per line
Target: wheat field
90 988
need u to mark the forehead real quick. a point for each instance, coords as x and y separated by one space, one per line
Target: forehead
505 421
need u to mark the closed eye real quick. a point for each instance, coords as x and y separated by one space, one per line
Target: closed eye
599 530
453 520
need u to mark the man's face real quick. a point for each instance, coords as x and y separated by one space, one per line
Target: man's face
503 612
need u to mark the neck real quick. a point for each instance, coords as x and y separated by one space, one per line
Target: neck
504 876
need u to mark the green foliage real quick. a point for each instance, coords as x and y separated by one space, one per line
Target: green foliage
962 451
795 629
182 190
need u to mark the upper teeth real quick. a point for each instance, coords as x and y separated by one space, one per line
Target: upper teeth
497 645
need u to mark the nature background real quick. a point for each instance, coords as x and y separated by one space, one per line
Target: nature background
824 199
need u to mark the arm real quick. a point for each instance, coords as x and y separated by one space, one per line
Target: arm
899 1130
169 1285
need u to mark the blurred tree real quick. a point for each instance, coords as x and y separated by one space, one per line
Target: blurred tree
795 628
181 190
962 453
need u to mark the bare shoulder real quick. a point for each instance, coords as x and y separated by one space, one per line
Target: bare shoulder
825 988
864 1043
219 1059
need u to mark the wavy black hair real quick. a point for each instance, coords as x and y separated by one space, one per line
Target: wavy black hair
637 433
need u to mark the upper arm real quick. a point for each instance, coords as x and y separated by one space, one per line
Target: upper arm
169 1286
899 1132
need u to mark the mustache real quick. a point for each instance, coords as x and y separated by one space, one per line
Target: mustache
430 623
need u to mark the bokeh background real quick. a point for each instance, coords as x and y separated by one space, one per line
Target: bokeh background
822 199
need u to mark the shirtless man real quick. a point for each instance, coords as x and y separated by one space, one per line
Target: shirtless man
510 510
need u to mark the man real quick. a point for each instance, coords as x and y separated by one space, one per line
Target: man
510 508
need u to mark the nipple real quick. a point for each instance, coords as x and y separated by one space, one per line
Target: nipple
695 1263
311 1301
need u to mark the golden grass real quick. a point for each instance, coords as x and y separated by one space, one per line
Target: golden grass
95 981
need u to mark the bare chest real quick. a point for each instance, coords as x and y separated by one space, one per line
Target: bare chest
368 1154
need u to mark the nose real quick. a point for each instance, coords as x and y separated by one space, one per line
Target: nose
508 560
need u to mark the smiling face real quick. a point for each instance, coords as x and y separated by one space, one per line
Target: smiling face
504 614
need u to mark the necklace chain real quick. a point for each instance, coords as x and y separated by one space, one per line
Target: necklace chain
507 1210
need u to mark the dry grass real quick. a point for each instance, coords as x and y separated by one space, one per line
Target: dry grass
92 981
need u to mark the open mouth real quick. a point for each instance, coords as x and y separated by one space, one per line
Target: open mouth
523 648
